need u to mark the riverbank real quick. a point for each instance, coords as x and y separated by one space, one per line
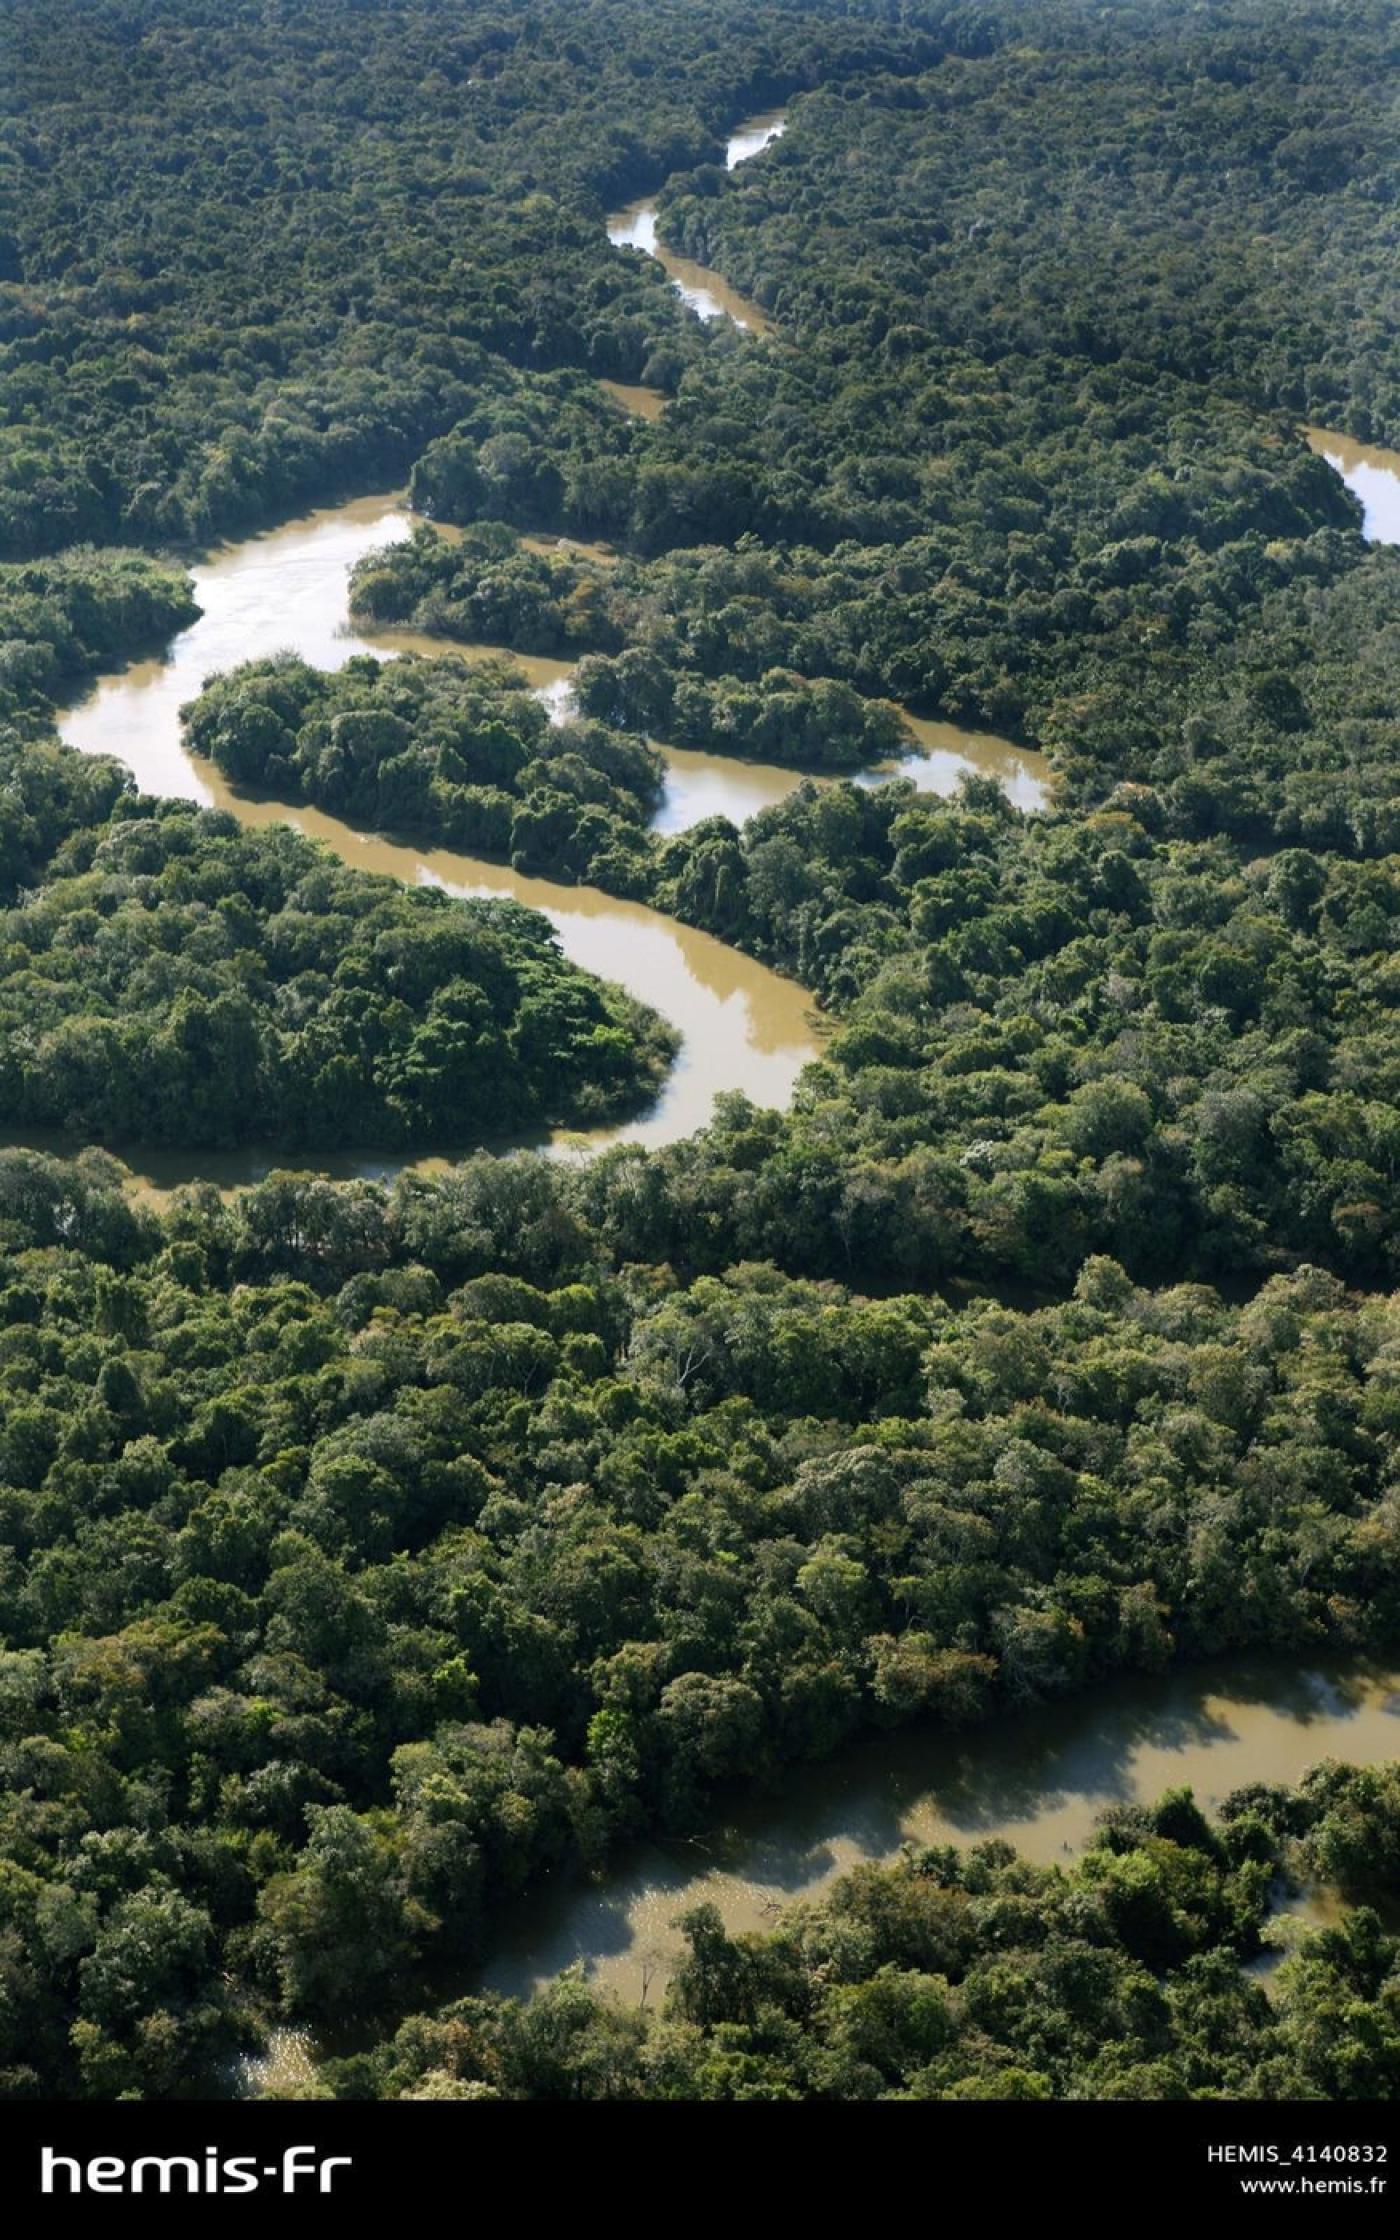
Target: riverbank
705 292
1037 1780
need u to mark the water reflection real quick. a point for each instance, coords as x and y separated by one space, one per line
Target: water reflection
752 138
742 1026
945 753
1039 1780
1372 472
708 294
700 785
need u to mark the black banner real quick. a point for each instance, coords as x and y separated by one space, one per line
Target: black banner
235 2160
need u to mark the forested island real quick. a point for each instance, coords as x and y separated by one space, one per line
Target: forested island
375 1554
179 981
437 749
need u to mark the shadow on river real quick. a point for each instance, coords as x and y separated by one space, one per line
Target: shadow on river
1039 1779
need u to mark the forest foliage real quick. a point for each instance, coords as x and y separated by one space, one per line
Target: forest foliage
177 980
368 1553
372 1553
391 204
441 751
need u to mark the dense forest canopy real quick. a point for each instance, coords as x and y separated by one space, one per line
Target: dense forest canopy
177 980
463 755
386 197
368 1553
371 1554
1055 1039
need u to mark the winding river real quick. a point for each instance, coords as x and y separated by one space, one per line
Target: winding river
705 292
1039 1779
743 1026
701 785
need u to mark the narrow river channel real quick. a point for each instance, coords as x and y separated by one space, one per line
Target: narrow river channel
706 293
743 1026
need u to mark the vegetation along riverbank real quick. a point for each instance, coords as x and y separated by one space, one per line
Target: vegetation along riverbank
381 1556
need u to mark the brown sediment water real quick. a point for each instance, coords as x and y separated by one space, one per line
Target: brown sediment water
753 136
702 785
1372 472
288 588
1038 1779
643 402
706 292
284 590
744 1027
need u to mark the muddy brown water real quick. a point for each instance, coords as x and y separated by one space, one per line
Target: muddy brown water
1038 1779
744 1027
637 397
708 294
